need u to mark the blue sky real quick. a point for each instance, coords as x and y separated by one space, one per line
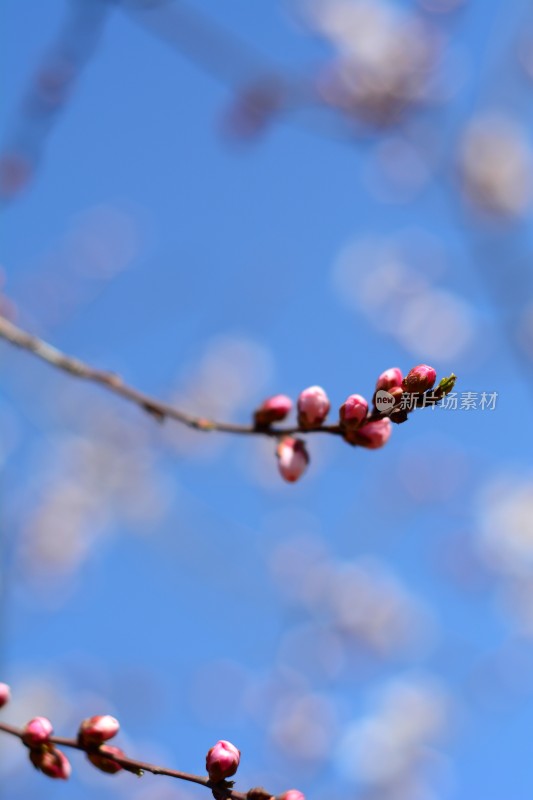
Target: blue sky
174 580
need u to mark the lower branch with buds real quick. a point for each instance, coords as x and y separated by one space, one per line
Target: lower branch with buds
222 760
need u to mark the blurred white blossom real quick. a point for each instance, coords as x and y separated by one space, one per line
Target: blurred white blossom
496 165
385 57
391 745
383 280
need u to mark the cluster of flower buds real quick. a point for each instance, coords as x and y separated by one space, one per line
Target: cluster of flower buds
43 754
92 735
222 760
395 396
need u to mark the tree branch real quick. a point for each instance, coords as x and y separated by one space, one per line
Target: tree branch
157 408
222 790
358 423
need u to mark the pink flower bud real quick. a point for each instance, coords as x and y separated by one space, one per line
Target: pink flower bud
353 411
96 730
313 407
390 378
51 762
274 409
101 760
396 393
372 435
222 761
5 694
293 458
419 379
37 731
292 794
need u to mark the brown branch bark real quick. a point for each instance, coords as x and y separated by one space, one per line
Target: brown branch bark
114 383
137 767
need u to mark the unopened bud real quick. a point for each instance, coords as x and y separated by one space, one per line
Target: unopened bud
259 794
293 458
419 379
292 794
353 411
372 435
5 694
103 761
96 730
399 415
51 762
273 409
222 761
37 731
389 379
313 407
396 393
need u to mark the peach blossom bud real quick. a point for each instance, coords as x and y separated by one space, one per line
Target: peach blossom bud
419 379
293 458
396 393
313 407
274 409
399 415
353 411
389 379
292 794
37 731
51 762
96 730
222 761
372 435
100 758
258 793
5 694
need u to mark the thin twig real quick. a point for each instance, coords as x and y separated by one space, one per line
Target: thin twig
132 765
157 408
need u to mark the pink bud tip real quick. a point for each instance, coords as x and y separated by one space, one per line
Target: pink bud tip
222 761
5 694
273 409
313 407
389 379
353 411
293 458
51 762
102 761
372 435
292 794
37 731
96 730
419 379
